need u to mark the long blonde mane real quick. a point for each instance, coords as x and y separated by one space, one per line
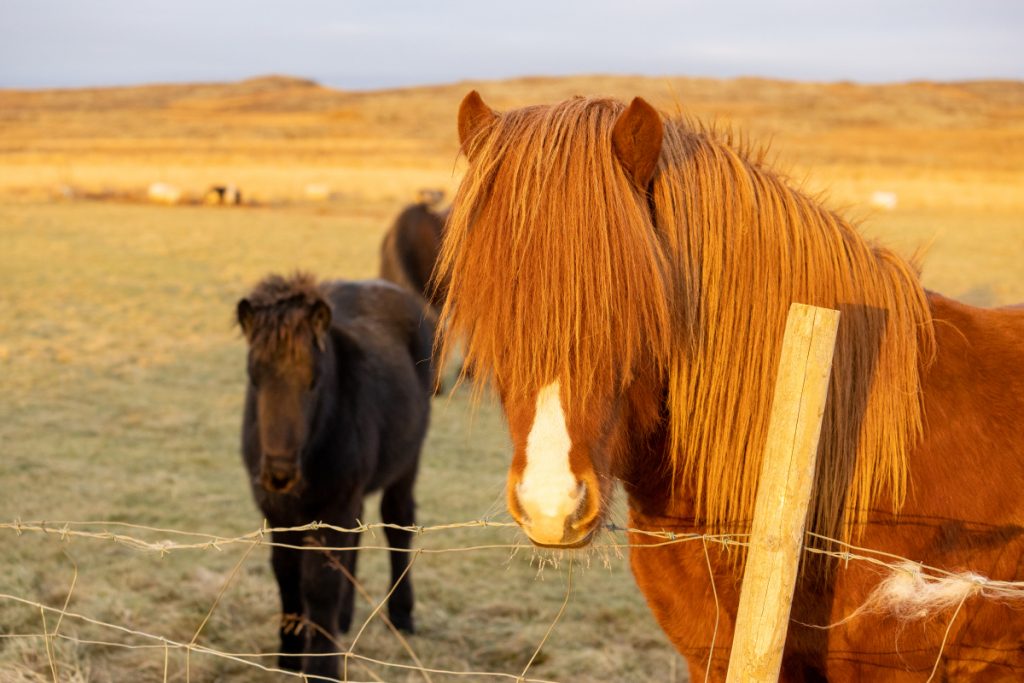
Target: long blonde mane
557 270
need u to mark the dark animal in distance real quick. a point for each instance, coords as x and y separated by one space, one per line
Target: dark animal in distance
623 277
223 194
409 251
337 406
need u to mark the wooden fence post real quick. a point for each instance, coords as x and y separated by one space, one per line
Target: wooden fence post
783 494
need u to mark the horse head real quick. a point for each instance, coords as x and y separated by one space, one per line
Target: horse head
554 299
286 326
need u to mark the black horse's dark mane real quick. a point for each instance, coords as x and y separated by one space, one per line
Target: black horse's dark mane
279 311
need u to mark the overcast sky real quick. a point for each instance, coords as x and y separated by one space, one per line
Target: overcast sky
382 43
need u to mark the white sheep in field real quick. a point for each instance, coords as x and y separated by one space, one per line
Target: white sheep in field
318 192
163 193
884 200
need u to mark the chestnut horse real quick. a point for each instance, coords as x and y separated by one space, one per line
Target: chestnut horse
623 279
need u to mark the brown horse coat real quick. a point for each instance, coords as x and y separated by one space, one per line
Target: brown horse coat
963 512
623 279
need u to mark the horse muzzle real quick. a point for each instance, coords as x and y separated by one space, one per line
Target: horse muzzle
279 474
578 541
566 523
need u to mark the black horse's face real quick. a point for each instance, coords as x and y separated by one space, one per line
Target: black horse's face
285 399
285 371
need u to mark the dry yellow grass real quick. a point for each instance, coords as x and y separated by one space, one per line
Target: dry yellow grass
957 144
122 374
123 377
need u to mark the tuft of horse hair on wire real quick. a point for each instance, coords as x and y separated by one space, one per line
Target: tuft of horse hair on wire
911 592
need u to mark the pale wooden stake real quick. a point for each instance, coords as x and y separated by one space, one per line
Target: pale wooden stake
783 495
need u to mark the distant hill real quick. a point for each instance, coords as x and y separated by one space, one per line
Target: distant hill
428 110
280 121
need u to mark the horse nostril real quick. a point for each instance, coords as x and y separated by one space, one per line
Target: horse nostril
516 506
278 477
587 506
280 483
579 495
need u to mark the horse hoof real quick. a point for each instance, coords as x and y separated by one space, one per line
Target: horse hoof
403 622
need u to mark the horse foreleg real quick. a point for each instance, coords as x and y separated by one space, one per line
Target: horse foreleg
322 584
348 559
287 570
398 507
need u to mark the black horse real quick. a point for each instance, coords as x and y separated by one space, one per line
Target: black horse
337 405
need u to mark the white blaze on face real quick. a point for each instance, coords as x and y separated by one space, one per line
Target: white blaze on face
548 491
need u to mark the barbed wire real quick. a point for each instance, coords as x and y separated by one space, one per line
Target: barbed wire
71 529
246 658
130 535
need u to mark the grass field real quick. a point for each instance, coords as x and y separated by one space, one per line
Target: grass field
121 373
123 380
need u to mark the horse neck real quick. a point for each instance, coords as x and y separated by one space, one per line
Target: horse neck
640 443
746 246
328 399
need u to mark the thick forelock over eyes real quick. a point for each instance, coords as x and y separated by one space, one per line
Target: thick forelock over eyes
279 313
545 207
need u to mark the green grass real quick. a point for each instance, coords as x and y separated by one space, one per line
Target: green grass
122 380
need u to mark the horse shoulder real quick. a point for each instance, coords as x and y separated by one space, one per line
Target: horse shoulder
973 396
405 318
979 362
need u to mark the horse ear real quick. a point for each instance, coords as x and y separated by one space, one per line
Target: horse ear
636 140
474 116
244 312
320 319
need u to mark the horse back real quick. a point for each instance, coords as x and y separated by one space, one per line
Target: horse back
411 247
385 320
